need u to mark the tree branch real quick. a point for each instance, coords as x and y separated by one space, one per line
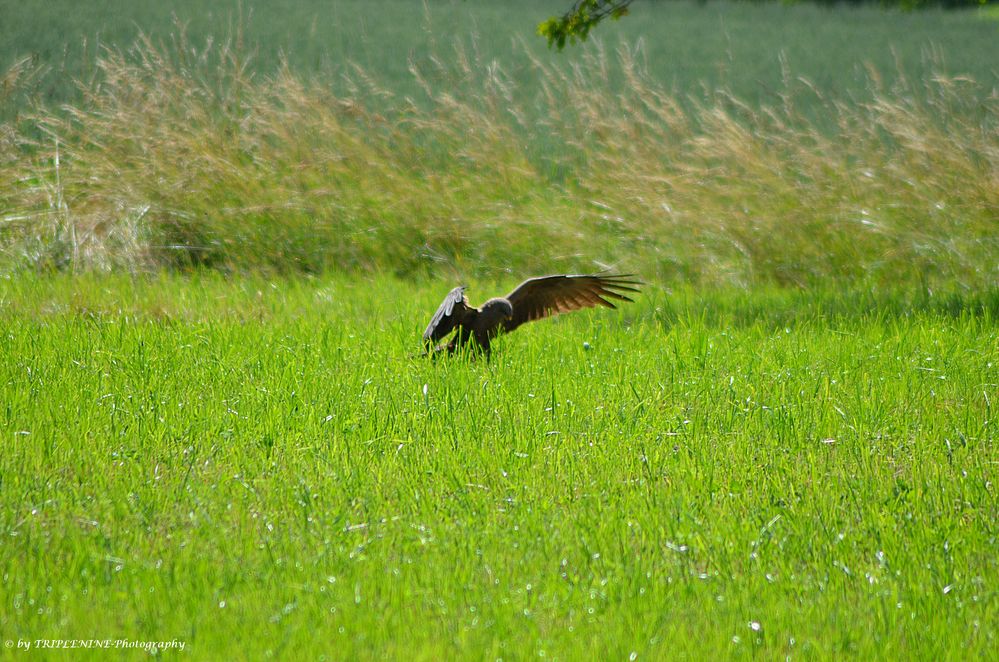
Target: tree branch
584 15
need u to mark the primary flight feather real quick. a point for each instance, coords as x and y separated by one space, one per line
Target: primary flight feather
533 299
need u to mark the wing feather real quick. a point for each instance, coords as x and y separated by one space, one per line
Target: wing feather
536 298
449 315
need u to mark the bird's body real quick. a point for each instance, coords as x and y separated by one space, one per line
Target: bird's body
533 299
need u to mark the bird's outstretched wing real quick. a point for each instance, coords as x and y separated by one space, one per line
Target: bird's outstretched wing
550 295
451 313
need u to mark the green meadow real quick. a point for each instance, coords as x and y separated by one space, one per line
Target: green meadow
223 230
261 469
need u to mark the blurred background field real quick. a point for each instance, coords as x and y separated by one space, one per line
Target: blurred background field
702 143
689 46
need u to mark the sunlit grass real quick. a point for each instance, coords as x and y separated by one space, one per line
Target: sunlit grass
258 465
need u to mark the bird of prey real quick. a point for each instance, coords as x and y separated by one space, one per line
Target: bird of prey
533 299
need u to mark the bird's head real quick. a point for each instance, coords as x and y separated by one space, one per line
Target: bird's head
498 308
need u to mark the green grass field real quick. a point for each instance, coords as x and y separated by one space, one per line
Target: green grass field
258 468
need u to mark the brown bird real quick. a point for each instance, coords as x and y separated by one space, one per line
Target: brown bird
533 299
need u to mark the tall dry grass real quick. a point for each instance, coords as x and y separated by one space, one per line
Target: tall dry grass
906 185
177 156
